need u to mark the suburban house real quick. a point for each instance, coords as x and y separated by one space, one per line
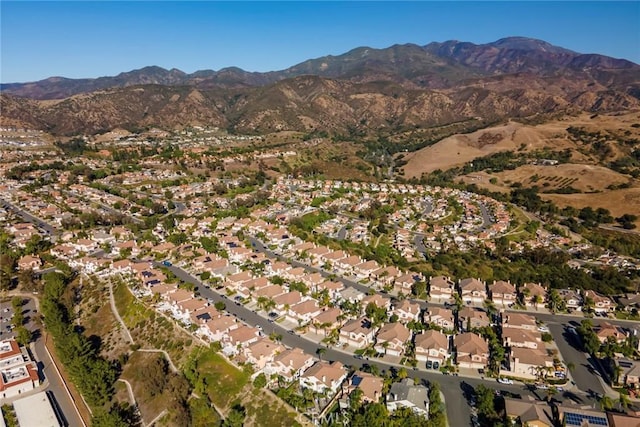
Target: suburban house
239 338
378 300
441 288
503 293
432 345
285 301
217 328
533 294
606 331
29 262
572 299
630 301
575 416
261 352
303 312
347 265
407 394
601 304
629 372
529 363
351 294
440 317
357 333
528 413
391 339
290 364
519 321
324 376
327 320
470 318
472 291
386 275
366 268
472 351
407 311
514 337
370 385
405 282
333 288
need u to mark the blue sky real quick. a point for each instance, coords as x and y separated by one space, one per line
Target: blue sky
92 39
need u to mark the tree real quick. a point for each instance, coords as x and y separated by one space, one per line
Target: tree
23 335
236 416
220 305
355 399
606 403
27 281
155 376
320 352
418 288
402 373
260 381
555 302
486 406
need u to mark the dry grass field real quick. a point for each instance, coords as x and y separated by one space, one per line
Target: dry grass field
585 178
460 149
618 202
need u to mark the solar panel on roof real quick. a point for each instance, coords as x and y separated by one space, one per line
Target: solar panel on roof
573 419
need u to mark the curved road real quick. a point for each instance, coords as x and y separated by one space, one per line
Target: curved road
453 387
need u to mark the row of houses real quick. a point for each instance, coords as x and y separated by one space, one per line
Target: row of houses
505 294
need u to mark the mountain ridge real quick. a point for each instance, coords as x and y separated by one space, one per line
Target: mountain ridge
363 91
434 65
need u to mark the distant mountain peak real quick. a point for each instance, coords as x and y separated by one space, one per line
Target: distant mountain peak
435 66
526 43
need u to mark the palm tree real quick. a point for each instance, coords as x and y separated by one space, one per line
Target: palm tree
537 300
606 403
624 401
385 345
320 351
458 301
617 371
526 293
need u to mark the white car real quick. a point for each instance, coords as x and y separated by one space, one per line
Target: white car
505 381
543 329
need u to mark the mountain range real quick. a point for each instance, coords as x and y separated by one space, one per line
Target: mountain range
364 90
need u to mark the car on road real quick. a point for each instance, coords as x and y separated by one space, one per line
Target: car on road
505 381
167 263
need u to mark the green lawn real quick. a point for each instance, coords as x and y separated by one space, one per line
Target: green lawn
222 380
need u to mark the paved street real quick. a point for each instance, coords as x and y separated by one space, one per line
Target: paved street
458 409
486 217
28 217
53 382
584 373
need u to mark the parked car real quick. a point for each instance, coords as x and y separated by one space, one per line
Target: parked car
505 381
